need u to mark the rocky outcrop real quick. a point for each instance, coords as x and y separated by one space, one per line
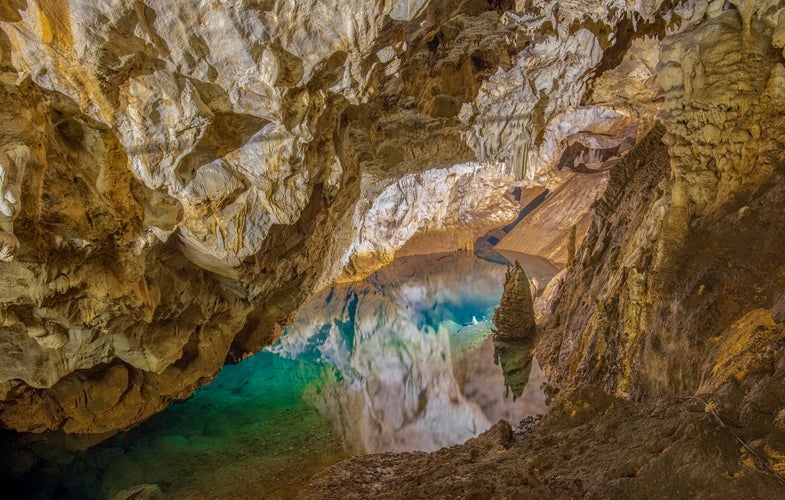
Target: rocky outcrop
515 329
595 314
514 318
672 309
681 268
699 241
434 211
542 239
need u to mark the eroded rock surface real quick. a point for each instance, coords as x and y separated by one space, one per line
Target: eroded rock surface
692 245
514 318
674 300
542 239
175 180
588 445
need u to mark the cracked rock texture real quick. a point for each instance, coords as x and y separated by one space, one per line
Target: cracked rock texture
665 342
176 179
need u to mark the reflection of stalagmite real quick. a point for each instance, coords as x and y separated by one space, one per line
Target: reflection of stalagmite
402 383
515 329
515 359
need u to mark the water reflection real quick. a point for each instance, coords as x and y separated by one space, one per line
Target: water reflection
516 360
401 361
414 363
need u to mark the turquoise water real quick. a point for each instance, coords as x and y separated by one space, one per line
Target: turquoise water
249 430
399 362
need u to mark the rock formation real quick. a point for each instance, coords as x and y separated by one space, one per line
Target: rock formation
515 328
514 318
685 256
672 312
541 241
177 179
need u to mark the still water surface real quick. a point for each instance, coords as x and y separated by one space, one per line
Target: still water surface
401 361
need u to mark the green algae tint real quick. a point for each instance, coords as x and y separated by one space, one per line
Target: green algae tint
249 431
401 361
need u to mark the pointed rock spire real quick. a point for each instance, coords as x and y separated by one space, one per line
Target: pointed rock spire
514 318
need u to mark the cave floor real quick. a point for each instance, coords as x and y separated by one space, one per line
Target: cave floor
589 445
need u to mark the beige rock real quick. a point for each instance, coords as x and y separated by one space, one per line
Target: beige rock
514 318
467 198
659 321
176 179
9 245
542 237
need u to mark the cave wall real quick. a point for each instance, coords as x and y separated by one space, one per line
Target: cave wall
677 289
177 179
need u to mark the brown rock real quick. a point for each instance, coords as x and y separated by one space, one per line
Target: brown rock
514 318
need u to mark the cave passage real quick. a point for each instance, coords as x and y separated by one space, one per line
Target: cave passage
400 361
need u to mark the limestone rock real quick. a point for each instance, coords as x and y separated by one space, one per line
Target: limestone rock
175 180
670 269
467 198
543 304
514 318
541 239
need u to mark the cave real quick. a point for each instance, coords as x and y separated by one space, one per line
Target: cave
392 249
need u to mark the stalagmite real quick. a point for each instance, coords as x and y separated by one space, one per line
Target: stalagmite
514 318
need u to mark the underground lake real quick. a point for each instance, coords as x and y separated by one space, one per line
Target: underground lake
401 361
